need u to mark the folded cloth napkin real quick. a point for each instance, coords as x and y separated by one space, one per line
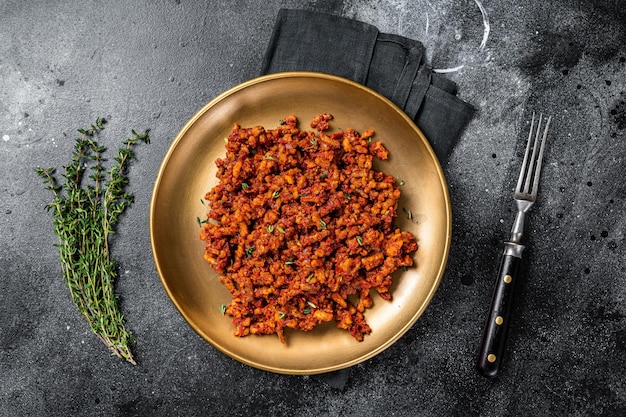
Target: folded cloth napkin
392 65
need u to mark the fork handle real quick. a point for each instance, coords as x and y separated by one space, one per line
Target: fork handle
497 325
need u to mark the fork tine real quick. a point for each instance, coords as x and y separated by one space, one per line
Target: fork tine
520 180
539 160
529 173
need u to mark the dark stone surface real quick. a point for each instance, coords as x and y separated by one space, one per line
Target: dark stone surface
153 64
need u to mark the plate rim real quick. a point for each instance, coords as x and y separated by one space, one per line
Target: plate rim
316 75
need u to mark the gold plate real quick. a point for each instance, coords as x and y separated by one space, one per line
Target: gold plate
188 172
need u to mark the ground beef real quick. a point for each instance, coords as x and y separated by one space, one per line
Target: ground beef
301 228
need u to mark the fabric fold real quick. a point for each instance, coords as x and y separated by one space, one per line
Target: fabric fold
389 64
308 41
393 67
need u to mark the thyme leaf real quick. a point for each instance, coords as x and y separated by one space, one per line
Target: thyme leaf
84 217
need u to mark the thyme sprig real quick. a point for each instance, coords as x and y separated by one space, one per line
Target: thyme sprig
84 218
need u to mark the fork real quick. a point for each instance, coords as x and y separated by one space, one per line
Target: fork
496 328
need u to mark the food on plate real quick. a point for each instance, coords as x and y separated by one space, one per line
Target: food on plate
301 228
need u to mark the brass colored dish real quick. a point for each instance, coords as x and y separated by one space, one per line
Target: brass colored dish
188 172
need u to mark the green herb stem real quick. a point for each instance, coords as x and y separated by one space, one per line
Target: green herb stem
84 218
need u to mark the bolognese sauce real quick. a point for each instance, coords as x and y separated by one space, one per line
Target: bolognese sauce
300 227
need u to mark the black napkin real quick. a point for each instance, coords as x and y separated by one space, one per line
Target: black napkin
392 65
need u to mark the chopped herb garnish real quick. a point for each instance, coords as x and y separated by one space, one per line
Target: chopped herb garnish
223 309
359 239
323 224
307 311
290 262
323 175
244 186
250 250
281 315
280 229
311 304
311 275
276 194
270 228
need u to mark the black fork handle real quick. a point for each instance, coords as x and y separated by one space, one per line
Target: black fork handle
497 326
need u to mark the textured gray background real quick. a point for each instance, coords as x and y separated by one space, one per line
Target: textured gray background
152 64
